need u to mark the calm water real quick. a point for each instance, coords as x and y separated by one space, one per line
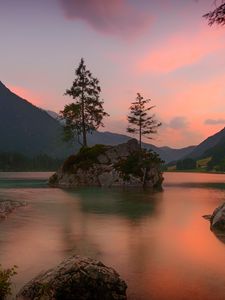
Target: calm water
159 243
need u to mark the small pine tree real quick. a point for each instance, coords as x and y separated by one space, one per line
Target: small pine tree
85 114
140 122
217 16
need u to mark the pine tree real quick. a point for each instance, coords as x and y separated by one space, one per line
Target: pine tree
217 15
140 121
85 114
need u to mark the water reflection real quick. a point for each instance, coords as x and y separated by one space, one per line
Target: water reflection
158 242
133 204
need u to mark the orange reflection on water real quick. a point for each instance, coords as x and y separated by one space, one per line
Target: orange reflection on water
159 243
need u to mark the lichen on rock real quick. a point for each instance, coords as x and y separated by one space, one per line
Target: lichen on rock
121 165
76 278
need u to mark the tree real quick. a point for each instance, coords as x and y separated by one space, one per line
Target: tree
186 164
216 16
6 281
85 114
140 122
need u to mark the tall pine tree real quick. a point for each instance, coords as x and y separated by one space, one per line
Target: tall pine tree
85 114
140 122
217 16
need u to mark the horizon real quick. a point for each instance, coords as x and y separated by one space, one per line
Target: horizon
130 46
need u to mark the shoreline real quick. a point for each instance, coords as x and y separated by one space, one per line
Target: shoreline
193 171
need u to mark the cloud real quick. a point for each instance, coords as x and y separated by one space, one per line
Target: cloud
178 134
178 123
116 17
214 121
181 50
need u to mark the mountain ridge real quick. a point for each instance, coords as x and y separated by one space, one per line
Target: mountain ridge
208 143
30 130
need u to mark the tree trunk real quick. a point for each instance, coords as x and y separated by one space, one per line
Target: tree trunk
84 133
144 177
140 133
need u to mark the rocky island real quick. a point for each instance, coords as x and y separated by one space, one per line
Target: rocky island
108 166
76 278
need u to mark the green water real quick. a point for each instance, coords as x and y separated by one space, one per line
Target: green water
158 242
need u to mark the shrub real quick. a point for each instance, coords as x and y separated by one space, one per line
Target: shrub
84 158
136 162
5 281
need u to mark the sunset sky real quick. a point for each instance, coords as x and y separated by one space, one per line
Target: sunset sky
163 49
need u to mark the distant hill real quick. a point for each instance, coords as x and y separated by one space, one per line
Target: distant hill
208 143
208 155
110 138
29 130
53 114
166 153
216 156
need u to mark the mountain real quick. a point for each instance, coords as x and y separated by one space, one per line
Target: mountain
210 142
53 114
208 155
29 130
216 157
166 153
109 138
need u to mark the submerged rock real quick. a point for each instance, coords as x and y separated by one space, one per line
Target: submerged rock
77 278
106 166
7 206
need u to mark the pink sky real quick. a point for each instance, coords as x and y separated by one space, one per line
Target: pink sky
163 49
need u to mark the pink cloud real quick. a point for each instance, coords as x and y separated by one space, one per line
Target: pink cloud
116 17
196 102
180 50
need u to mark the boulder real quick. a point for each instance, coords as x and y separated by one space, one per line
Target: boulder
217 219
109 166
76 278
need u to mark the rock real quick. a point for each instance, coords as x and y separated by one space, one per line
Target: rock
103 159
7 206
217 219
77 278
207 217
109 166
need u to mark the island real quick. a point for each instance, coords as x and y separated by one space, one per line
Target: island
123 165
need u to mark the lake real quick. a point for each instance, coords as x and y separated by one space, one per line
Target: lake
158 242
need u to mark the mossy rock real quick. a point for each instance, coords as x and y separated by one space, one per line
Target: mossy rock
84 159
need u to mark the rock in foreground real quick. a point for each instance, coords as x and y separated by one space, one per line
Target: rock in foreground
217 219
77 278
106 166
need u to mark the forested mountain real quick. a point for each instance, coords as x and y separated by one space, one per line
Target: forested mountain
166 153
208 143
110 138
30 131
27 129
208 155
